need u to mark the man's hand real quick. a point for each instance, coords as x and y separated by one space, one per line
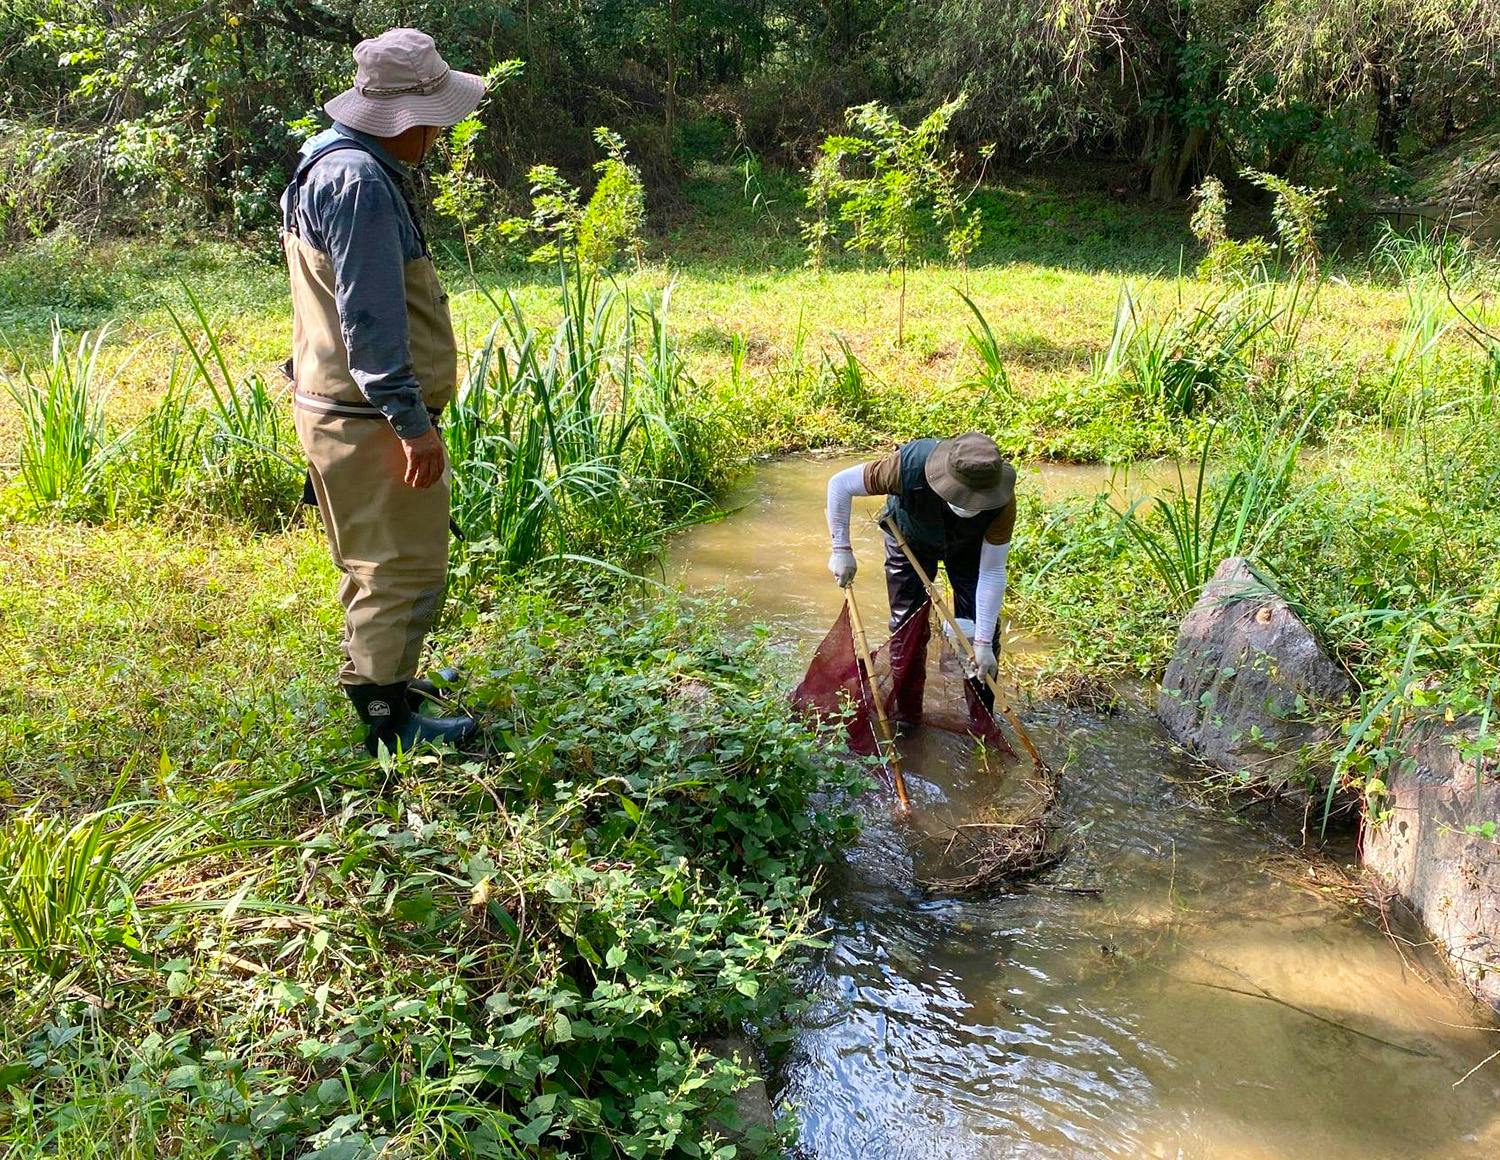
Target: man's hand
984 655
425 459
843 566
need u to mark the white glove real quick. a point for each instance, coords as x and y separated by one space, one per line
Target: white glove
988 665
843 566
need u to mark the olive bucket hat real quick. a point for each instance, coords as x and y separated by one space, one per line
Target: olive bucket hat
969 472
401 81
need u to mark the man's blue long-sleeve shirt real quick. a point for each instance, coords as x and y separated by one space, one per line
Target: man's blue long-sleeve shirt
351 209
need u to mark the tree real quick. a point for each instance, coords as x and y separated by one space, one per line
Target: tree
881 183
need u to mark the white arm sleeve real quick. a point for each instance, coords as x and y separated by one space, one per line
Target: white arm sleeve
842 488
989 593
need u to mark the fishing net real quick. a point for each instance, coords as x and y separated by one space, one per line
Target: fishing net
919 685
986 829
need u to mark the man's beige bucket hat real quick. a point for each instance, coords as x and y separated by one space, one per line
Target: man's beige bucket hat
401 81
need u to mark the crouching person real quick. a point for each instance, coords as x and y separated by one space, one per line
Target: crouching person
953 501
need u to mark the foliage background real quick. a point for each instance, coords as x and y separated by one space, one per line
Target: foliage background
155 112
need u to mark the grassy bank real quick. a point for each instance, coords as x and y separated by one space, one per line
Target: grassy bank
794 357
224 936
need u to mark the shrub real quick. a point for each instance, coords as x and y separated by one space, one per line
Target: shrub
1225 258
872 189
591 234
520 955
1299 213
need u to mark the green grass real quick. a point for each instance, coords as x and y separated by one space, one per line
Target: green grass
168 653
1048 279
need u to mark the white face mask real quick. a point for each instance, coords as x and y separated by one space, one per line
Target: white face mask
962 513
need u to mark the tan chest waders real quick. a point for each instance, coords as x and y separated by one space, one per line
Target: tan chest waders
389 541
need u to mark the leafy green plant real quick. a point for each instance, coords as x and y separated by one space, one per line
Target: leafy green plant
1225 258
64 449
461 191
1236 260
1210 221
1298 212
523 953
616 211
595 233
873 188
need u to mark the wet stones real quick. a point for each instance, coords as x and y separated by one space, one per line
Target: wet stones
1432 843
1244 679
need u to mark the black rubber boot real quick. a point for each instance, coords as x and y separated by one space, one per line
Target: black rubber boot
426 691
389 721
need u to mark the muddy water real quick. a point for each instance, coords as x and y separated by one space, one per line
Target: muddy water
770 557
1180 987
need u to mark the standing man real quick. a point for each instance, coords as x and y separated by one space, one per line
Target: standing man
374 362
953 501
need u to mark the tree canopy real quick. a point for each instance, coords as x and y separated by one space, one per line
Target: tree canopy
113 113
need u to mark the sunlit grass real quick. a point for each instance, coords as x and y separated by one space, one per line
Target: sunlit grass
1048 281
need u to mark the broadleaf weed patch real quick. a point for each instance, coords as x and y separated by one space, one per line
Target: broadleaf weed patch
510 954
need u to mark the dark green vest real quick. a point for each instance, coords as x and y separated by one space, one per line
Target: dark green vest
924 518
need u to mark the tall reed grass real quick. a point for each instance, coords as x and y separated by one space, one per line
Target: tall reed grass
250 464
1424 253
65 448
1234 510
578 444
70 889
214 442
584 440
162 450
1179 363
991 376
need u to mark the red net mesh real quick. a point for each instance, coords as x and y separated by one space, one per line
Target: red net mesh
916 688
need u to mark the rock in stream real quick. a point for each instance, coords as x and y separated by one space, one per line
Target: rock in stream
1431 848
1242 677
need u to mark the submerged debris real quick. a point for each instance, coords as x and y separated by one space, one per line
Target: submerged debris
1075 690
1002 849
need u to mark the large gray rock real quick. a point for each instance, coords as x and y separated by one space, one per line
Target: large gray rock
747 1119
1423 849
1243 677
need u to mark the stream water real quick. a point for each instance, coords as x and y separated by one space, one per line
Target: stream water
1182 986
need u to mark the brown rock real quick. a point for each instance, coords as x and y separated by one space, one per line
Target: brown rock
1422 849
